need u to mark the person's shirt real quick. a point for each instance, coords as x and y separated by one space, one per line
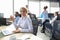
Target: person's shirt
55 18
29 11
16 20
25 25
44 16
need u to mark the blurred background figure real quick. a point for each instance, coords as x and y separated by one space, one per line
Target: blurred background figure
17 17
56 17
44 17
27 9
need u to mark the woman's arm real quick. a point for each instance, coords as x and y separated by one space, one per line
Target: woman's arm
17 24
53 19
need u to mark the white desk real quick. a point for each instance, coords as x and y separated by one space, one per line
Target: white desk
19 35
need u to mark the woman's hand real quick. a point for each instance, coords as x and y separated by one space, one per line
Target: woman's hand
16 31
11 18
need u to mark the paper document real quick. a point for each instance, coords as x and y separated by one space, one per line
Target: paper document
9 29
6 32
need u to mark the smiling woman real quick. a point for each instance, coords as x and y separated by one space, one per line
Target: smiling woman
24 24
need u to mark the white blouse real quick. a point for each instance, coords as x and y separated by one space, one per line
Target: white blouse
51 21
25 24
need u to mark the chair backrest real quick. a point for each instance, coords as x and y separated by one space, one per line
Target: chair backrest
50 15
57 25
56 29
48 25
34 19
34 22
58 16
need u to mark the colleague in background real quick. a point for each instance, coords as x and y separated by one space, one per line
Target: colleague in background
49 24
17 17
44 17
14 21
56 17
28 11
24 24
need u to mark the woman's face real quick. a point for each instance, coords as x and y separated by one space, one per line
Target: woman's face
23 12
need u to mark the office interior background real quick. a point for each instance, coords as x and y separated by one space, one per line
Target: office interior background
8 7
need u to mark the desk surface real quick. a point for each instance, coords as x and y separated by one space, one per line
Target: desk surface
20 35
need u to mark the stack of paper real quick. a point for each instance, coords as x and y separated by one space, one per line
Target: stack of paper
9 29
6 32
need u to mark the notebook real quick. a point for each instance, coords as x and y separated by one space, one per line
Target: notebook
8 30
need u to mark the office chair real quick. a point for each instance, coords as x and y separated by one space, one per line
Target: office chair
35 23
56 30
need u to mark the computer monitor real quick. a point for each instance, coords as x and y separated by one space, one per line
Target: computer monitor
1 15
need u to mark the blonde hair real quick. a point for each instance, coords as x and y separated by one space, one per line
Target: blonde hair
24 9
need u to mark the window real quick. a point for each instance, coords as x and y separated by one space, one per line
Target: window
19 3
54 7
6 8
34 7
44 3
